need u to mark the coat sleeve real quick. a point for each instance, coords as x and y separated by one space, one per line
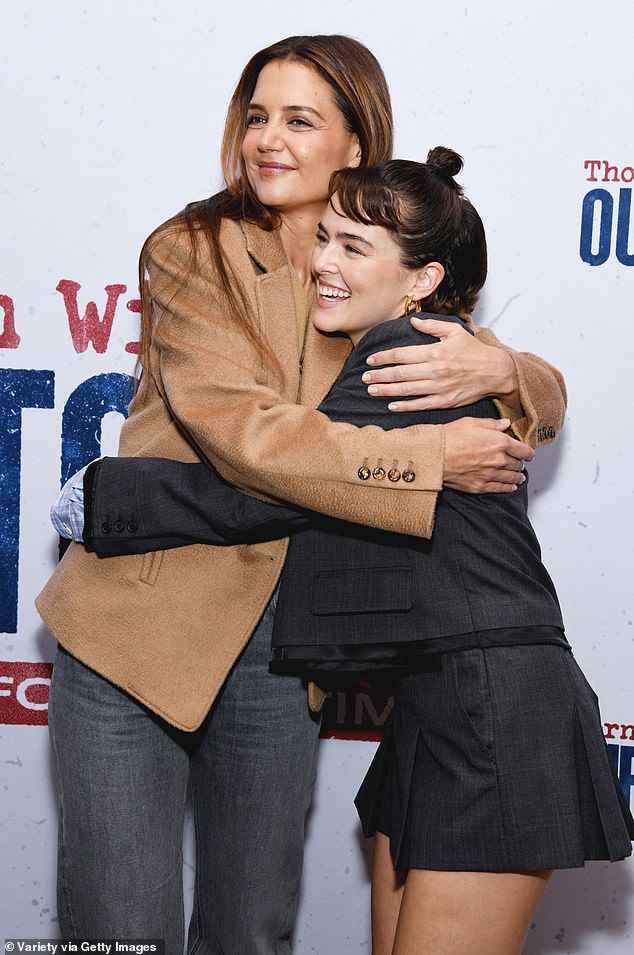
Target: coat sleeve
542 395
157 503
216 384
226 397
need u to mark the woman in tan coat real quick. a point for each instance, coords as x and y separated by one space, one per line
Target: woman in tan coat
164 674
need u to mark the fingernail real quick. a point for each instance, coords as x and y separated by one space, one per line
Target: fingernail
373 390
392 407
370 360
366 376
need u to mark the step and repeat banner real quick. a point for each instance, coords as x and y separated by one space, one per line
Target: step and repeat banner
111 121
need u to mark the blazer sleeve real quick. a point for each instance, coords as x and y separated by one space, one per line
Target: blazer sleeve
227 400
188 504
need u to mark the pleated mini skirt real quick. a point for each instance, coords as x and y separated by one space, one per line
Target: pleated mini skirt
496 763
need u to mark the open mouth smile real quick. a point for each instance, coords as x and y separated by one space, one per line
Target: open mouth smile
333 293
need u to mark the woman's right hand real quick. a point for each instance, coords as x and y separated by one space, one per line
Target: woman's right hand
480 458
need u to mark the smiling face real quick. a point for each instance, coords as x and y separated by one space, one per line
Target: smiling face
361 281
295 138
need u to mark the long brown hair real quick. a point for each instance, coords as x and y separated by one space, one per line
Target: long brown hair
360 91
429 217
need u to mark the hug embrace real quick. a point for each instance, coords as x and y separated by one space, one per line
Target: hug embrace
410 552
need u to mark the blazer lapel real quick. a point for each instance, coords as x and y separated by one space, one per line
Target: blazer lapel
275 302
324 356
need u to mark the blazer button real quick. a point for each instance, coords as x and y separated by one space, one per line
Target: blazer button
132 527
364 473
378 474
394 475
119 526
408 475
106 527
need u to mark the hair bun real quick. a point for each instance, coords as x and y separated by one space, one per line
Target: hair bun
446 162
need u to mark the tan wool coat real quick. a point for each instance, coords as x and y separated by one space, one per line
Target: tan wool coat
168 626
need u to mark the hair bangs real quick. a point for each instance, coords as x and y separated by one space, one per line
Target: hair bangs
364 197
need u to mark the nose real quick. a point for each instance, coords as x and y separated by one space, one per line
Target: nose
323 261
270 138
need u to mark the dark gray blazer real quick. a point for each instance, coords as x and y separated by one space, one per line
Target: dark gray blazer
348 591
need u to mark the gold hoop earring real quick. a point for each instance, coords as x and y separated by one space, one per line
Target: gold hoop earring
412 306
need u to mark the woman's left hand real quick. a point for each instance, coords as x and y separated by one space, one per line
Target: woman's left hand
455 371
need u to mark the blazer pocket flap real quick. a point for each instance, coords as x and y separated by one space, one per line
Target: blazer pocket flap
362 590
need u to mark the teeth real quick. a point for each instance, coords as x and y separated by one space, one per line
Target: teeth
328 292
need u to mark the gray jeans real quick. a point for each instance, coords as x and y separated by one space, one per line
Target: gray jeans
123 776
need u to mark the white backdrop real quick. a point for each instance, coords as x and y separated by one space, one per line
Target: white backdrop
111 120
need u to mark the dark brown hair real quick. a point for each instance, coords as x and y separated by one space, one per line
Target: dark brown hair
359 90
430 219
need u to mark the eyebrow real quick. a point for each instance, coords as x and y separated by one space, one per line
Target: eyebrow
349 236
289 109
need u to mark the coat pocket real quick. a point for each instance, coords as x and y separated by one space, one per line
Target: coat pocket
151 566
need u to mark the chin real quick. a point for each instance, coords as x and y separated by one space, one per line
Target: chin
324 325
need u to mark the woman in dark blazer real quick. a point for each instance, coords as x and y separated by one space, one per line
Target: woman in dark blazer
493 770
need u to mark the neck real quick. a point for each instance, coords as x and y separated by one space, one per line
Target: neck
297 233
356 335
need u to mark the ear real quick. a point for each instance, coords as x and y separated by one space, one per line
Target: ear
355 153
427 280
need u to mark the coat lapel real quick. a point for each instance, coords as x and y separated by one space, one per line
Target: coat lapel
324 356
275 302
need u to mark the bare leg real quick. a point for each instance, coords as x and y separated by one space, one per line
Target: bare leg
466 913
387 892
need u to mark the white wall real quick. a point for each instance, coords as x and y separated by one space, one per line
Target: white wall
111 119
